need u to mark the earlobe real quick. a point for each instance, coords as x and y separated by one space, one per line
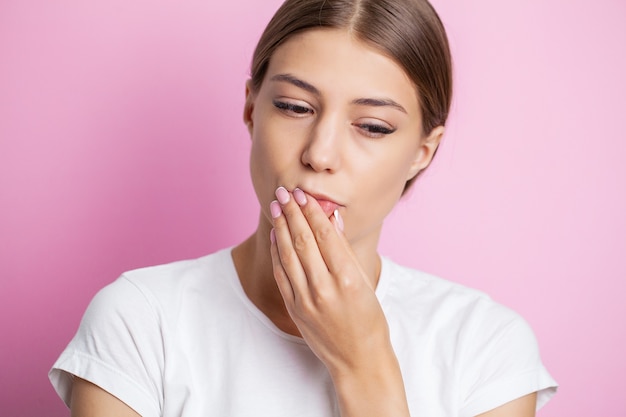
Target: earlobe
426 151
248 108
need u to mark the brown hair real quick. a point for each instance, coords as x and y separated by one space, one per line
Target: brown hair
408 31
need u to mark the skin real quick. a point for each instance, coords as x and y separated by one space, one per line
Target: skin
323 128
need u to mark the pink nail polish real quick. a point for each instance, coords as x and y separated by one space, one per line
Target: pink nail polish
339 219
272 236
275 209
299 196
282 195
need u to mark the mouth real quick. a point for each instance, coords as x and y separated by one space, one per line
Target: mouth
326 203
328 206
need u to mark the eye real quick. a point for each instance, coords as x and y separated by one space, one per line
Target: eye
373 130
292 109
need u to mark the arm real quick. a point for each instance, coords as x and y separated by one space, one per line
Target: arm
521 407
376 390
89 400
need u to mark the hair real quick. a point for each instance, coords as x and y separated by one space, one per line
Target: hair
408 31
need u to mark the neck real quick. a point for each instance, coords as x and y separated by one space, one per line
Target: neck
253 264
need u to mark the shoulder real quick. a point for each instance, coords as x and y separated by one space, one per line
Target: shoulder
152 292
168 281
183 272
459 314
413 288
489 349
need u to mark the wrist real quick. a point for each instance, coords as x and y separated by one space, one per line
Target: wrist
371 387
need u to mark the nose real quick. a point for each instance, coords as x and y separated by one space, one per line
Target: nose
323 148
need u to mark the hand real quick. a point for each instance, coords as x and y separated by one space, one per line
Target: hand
325 290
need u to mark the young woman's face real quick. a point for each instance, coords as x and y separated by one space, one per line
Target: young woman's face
341 121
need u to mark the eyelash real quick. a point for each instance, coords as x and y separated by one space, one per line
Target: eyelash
370 130
291 108
375 131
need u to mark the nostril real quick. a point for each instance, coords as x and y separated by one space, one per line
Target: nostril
319 163
322 154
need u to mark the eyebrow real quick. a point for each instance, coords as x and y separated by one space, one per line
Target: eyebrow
374 102
297 82
379 102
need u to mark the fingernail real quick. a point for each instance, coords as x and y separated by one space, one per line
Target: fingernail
275 209
282 195
338 219
272 236
299 196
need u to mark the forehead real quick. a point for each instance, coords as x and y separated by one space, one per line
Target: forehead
336 63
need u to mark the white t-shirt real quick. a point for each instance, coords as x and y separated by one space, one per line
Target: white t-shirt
184 340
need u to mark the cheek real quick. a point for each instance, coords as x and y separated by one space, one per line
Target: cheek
379 189
258 160
389 169
260 167
389 184
270 160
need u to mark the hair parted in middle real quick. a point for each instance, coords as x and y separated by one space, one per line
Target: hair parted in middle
408 31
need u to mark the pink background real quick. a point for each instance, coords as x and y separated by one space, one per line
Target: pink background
121 145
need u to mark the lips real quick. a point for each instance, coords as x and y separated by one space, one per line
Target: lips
329 207
325 202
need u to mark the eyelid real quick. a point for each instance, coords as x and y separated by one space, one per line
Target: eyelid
378 128
289 107
374 128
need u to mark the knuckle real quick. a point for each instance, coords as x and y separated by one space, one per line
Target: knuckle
288 258
321 297
349 283
305 307
323 303
324 233
301 241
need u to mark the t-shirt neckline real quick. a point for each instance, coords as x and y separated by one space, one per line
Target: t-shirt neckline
235 282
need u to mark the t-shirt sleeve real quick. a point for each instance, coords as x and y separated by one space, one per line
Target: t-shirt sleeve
502 363
119 347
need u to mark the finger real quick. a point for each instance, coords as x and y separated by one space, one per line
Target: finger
289 260
331 242
282 280
303 242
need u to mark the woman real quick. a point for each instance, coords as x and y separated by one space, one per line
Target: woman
346 105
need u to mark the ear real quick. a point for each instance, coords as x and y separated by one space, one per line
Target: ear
248 107
426 151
